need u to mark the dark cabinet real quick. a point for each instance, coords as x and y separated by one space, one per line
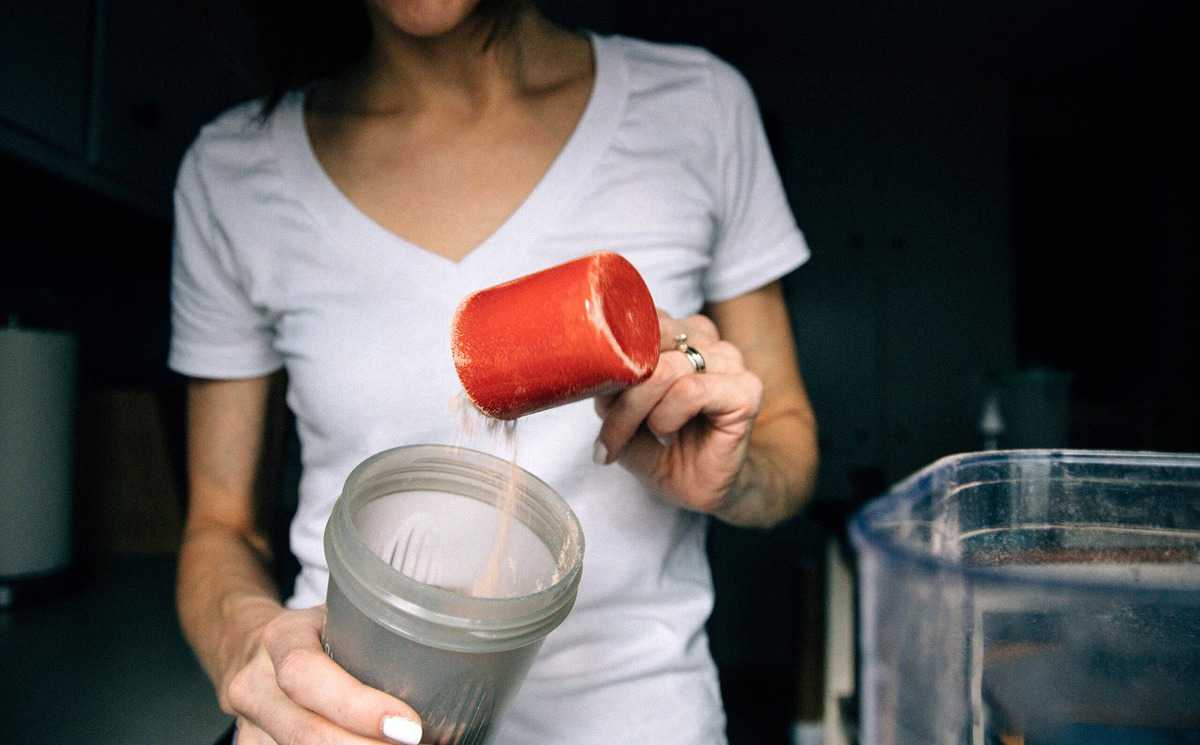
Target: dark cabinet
108 93
45 69
166 69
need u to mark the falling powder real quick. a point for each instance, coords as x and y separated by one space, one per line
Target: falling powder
503 435
499 436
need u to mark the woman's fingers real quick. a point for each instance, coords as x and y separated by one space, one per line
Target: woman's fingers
310 680
629 409
274 718
698 329
624 414
700 420
248 734
603 403
725 399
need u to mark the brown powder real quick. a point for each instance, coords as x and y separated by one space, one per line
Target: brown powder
502 433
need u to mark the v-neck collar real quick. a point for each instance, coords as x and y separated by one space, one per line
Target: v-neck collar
351 227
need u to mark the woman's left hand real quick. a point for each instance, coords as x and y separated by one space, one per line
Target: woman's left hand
685 431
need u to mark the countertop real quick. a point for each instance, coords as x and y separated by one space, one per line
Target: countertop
104 663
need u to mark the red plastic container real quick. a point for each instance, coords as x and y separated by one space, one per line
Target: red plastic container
576 330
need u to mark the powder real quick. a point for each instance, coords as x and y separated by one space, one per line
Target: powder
503 436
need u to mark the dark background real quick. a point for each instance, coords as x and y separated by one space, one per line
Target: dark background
992 192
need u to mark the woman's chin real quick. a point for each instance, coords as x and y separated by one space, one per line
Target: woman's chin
424 18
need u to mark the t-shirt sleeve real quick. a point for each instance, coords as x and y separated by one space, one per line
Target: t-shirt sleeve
216 331
757 238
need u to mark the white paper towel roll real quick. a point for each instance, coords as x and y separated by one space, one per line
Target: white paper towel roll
37 438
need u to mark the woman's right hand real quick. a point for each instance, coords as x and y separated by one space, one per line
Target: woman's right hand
284 690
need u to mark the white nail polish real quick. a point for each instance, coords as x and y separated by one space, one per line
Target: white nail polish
600 454
402 730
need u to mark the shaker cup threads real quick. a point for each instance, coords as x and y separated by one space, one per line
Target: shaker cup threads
579 329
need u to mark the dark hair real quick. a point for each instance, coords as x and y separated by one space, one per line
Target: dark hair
301 43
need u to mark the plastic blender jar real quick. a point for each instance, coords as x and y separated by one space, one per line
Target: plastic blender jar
1035 597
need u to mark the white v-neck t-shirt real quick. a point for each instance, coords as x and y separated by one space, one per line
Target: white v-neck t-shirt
275 267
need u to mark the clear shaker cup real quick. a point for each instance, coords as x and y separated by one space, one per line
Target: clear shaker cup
407 544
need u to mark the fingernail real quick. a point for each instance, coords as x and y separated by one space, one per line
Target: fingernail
402 730
665 440
600 454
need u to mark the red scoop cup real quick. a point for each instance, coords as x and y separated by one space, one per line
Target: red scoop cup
579 329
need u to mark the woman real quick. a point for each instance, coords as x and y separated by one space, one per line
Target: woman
334 233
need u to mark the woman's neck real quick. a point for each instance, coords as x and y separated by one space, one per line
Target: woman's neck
401 72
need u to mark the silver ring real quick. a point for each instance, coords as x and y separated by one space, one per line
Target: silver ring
694 357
